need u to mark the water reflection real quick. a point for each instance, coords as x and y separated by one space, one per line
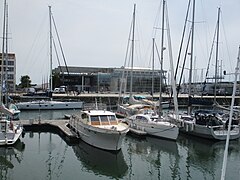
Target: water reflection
9 155
101 162
159 158
204 157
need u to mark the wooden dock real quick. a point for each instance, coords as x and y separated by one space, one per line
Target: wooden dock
56 126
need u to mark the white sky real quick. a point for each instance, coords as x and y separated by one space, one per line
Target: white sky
95 32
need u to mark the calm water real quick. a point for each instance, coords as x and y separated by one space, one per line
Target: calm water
43 156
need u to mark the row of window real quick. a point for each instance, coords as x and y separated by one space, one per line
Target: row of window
10 62
9 69
9 76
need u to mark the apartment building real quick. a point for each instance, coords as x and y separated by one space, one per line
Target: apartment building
9 72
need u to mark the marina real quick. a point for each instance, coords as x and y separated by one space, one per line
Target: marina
43 154
49 150
109 106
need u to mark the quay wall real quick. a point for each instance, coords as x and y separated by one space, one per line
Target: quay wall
111 99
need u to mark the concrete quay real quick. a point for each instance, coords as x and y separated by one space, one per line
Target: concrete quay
111 98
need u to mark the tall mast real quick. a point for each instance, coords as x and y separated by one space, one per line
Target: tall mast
153 67
50 45
133 28
6 59
161 60
191 60
3 53
224 165
216 63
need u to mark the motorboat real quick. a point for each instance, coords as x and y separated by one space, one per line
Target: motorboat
99 128
147 122
48 105
206 124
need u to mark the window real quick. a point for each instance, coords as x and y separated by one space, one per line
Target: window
112 118
10 76
104 118
94 118
141 118
10 69
11 63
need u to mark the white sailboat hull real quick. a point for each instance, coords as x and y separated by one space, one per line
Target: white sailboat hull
10 137
204 131
162 129
149 123
48 105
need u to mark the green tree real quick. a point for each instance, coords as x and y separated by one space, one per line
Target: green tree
25 81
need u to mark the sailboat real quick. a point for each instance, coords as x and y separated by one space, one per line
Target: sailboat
46 104
134 104
149 122
5 85
9 132
204 123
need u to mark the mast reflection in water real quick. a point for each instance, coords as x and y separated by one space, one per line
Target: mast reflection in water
47 156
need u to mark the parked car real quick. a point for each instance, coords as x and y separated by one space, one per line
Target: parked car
56 90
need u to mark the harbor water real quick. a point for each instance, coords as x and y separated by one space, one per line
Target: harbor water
45 155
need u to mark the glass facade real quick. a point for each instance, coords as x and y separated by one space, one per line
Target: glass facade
110 79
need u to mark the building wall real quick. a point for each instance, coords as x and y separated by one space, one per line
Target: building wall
108 79
9 71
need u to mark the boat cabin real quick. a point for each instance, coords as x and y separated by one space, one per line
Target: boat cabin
100 117
207 119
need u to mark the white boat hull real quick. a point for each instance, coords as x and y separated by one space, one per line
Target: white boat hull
204 131
10 138
161 130
216 133
48 105
101 138
99 128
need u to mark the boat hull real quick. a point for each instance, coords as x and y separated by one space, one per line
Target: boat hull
161 130
209 132
48 105
214 133
10 138
107 138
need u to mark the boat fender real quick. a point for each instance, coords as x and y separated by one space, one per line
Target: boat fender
186 127
113 128
192 127
181 123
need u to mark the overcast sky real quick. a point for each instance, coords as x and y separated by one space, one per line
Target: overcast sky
94 33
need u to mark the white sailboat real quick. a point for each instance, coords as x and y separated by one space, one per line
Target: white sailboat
205 123
133 105
5 56
9 133
148 121
49 104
